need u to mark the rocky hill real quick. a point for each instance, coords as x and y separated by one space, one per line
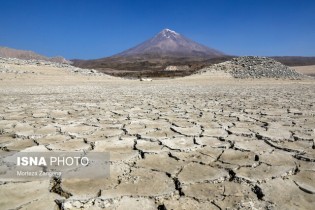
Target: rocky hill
6 52
254 67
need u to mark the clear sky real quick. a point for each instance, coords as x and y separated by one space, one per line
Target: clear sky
92 29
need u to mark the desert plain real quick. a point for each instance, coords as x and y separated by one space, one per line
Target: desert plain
206 141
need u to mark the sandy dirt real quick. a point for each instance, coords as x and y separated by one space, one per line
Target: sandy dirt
308 70
200 142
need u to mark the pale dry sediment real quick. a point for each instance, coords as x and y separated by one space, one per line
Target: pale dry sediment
187 143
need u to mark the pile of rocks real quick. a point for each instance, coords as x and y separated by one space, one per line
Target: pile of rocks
255 67
6 62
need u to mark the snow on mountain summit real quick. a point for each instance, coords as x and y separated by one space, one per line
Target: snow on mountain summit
168 33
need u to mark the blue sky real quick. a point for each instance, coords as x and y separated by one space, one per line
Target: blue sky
92 29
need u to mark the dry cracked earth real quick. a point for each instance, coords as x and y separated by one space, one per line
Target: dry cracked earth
189 143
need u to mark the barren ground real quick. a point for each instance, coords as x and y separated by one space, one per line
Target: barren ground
308 70
200 142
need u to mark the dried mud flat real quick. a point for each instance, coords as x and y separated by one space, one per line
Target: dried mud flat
189 143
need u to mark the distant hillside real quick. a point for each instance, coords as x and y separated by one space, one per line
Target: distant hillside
6 52
295 60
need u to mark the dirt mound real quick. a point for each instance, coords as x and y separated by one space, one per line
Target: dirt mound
254 67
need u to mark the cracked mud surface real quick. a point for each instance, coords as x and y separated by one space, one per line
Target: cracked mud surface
190 143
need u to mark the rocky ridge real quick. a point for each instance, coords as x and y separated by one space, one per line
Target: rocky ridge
254 67
6 52
6 68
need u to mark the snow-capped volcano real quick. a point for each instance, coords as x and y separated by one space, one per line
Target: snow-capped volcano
168 33
169 43
165 48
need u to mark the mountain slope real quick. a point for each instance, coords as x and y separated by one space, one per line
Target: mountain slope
166 48
172 44
6 52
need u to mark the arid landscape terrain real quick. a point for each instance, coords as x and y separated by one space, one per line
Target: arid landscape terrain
157 105
205 141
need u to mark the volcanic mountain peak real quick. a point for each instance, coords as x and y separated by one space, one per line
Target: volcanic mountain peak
169 43
164 49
